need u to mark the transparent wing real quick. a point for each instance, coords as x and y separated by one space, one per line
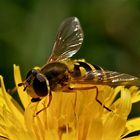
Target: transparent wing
108 78
116 78
68 40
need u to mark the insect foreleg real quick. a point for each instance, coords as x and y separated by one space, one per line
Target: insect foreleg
50 99
35 99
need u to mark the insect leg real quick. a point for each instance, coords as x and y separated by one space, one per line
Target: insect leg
75 105
96 97
50 99
35 100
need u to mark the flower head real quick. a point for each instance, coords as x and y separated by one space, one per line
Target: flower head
73 116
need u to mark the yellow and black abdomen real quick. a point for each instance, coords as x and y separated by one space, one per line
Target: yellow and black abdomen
82 69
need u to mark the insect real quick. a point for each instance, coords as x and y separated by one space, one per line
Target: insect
60 71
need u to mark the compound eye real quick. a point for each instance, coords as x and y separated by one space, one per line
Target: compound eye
31 72
41 85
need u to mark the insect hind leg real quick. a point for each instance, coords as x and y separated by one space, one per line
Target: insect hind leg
96 98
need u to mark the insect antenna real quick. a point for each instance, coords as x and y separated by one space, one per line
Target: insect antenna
23 84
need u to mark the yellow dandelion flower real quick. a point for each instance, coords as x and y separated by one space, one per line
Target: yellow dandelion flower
70 116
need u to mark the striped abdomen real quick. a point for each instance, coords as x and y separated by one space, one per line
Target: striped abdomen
92 72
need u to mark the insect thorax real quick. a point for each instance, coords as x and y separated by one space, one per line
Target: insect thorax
56 73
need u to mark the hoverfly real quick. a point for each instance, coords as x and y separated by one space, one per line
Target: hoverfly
60 71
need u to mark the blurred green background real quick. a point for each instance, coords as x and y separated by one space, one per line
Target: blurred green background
28 29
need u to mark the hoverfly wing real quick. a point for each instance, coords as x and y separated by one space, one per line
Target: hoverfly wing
111 78
116 79
68 40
